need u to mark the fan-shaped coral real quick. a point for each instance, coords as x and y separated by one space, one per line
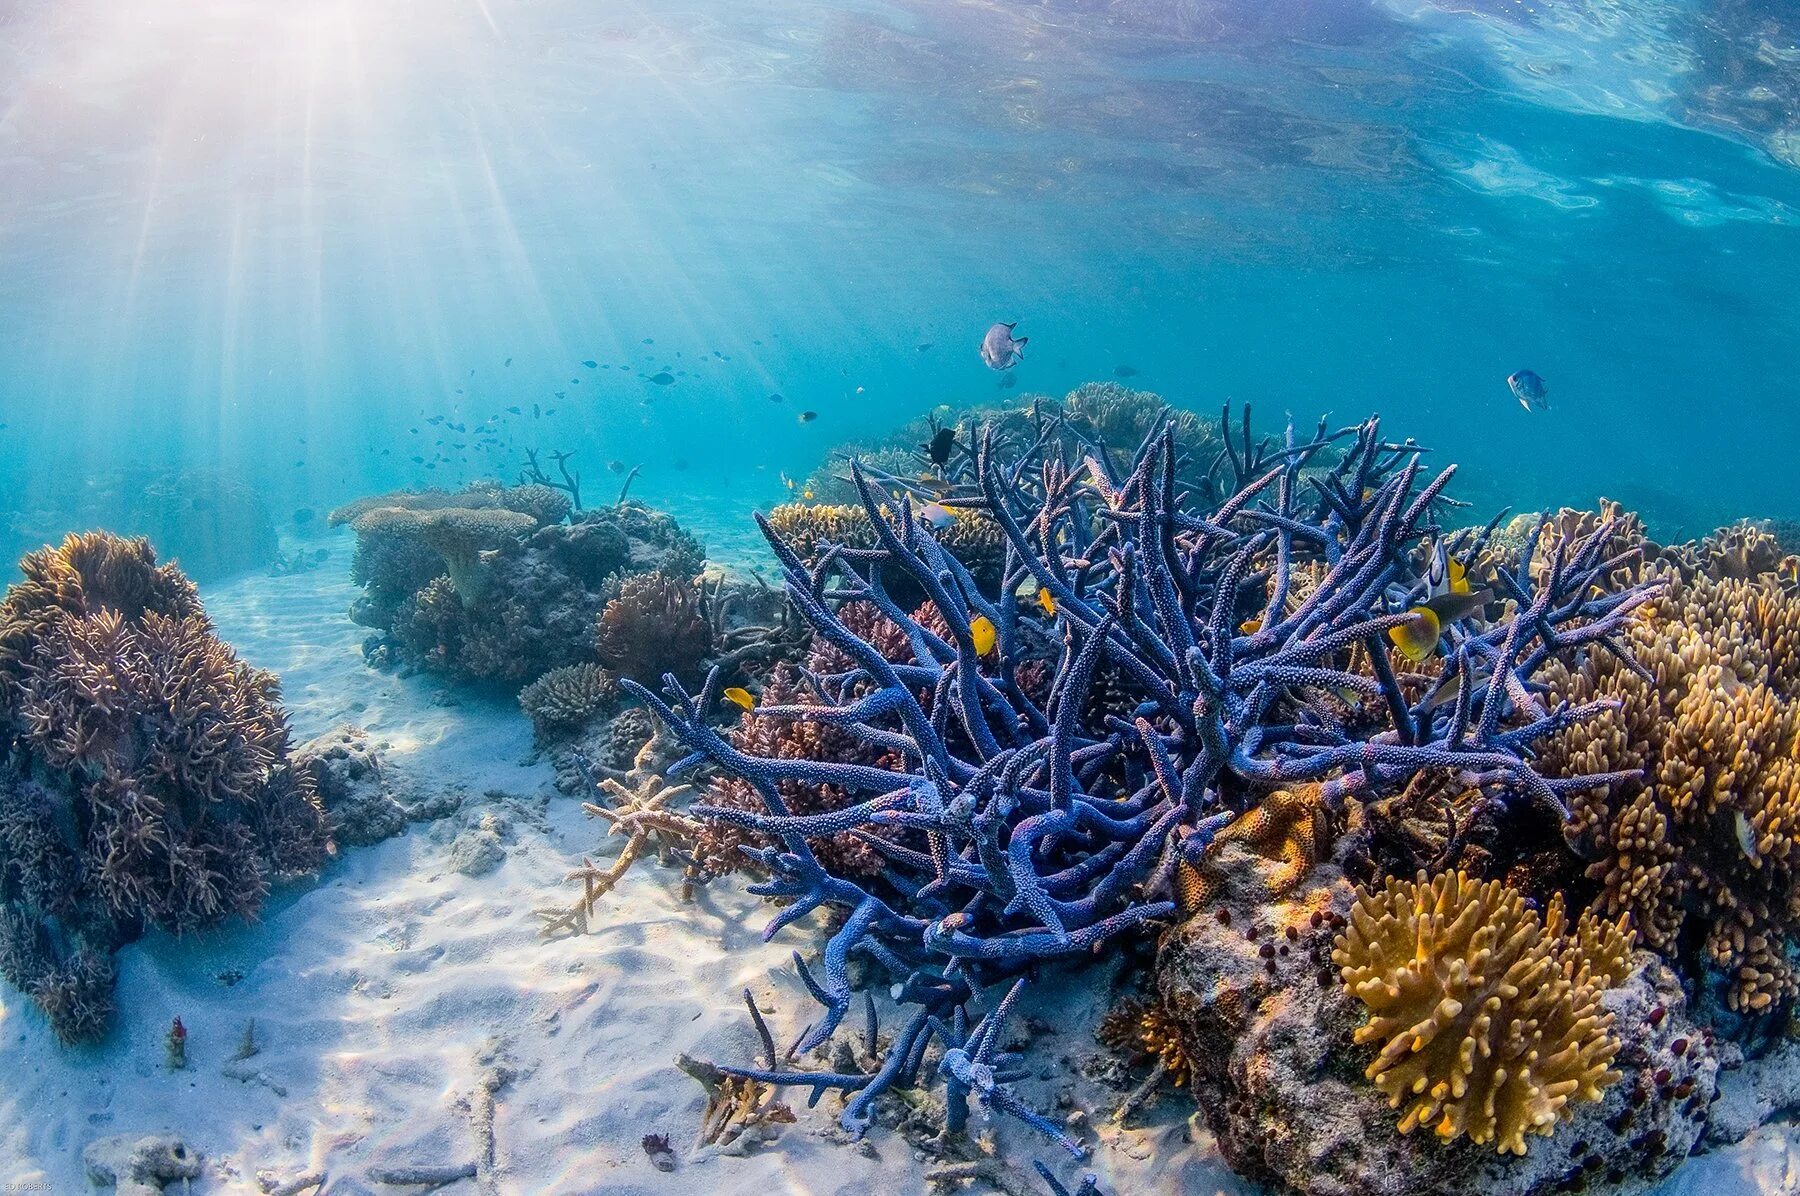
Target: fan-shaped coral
1706 833
153 786
1486 1017
461 536
655 626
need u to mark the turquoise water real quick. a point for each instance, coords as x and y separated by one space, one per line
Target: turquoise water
274 237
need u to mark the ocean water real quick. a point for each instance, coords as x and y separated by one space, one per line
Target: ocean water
272 238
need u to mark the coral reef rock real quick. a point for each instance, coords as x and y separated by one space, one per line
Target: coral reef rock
489 583
149 783
346 772
568 698
140 1164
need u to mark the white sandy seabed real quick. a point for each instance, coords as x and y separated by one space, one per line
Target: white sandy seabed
381 992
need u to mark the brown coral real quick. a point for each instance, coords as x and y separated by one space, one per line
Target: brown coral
1290 829
161 792
1487 1018
568 697
1707 832
462 536
1146 1030
654 626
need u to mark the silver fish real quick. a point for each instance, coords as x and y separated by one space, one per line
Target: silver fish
1000 349
1530 389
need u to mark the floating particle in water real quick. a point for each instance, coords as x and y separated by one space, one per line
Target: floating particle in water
664 378
1000 349
1125 371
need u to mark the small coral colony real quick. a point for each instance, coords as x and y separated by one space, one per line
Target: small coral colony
1432 855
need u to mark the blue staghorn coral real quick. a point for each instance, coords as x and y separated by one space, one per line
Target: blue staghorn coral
1018 831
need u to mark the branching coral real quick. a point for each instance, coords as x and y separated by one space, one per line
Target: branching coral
1487 1017
566 698
161 792
654 626
1029 833
1705 836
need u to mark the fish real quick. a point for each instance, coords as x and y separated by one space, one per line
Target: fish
616 466
1000 349
807 417
592 365
981 630
1250 626
1530 389
1007 382
664 378
1444 574
925 348
508 361
1045 602
1746 838
515 411
1125 371
418 460
937 515
649 340
940 446
740 697
536 412
1418 638
776 398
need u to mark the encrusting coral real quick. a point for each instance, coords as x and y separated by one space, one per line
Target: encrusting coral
1701 833
150 782
1486 1017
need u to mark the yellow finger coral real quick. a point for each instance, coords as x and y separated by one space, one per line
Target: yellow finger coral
1486 1017
1707 831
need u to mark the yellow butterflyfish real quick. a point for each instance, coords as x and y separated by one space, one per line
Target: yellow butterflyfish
981 630
1458 575
738 696
1045 602
1417 638
806 493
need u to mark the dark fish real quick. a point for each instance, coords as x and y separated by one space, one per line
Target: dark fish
940 446
807 417
663 379
1000 349
592 365
649 340
1125 371
418 460
680 463
1531 391
616 466
574 381
515 411
534 411
549 411
776 398
927 345
562 394
508 361
1007 382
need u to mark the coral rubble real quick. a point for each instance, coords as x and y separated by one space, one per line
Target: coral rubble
151 783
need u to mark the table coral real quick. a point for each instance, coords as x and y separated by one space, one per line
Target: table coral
1486 1016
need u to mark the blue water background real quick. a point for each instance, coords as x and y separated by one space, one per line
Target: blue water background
274 237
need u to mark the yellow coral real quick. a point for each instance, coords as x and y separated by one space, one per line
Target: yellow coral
1290 827
1487 1018
972 537
1708 829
